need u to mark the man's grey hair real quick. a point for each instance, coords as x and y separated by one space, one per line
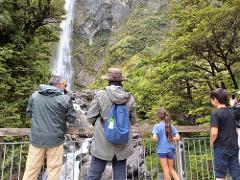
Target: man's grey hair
55 80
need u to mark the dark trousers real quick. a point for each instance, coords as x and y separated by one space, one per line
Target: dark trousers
97 166
226 159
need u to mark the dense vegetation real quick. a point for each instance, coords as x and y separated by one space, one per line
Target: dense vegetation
27 31
173 54
198 53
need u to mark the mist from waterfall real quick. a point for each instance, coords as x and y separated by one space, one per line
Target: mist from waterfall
63 62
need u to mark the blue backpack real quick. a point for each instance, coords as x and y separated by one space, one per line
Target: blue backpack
117 126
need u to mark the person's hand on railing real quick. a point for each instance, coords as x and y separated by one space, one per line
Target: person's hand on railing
155 138
176 137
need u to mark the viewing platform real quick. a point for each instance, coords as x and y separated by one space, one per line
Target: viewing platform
193 158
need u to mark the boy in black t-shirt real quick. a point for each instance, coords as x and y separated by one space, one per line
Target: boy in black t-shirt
223 137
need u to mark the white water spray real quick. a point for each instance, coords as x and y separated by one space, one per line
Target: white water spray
63 62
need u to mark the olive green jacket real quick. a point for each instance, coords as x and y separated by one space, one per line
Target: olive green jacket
99 109
49 109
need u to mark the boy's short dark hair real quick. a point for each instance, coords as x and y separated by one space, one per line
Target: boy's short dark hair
220 94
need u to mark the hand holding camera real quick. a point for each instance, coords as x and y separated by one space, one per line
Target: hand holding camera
233 100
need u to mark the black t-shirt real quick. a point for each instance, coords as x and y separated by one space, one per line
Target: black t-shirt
236 110
224 119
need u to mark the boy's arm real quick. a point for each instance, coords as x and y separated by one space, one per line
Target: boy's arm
213 135
214 128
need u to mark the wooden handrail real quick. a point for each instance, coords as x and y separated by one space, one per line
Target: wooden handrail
87 132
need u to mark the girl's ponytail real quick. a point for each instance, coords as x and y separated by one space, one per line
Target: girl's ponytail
168 129
165 115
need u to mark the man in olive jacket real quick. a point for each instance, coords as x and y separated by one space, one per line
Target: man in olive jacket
49 108
102 150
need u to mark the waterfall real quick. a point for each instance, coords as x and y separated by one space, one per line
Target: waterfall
62 65
63 62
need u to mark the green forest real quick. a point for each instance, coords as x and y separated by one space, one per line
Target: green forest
28 30
173 58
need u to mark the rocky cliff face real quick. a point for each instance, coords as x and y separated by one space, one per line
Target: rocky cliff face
95 22
96 27
101 16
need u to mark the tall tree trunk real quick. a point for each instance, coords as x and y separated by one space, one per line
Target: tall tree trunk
223 85
189 91
214 69
234 81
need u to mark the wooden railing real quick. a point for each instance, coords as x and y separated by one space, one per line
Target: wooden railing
87 132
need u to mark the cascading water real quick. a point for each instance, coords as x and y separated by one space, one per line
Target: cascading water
62 66
71 169
63 62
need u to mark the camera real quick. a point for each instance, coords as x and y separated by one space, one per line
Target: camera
71 94
233 96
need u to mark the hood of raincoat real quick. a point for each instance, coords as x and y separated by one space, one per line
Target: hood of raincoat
48 90
117 94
